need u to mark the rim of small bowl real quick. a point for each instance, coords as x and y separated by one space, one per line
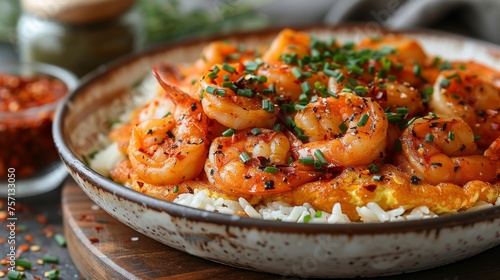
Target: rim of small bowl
33 69
464 219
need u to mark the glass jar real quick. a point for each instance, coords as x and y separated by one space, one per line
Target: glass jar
79 47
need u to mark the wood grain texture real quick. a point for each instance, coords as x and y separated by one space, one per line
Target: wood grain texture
117 256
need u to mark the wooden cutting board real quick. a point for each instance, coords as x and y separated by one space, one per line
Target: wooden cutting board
103 248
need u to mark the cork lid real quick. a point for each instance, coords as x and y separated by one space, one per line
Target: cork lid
77 11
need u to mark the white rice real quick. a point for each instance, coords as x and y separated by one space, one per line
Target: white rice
282 211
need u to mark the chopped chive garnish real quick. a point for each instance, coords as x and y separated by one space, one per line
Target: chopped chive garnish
290 160
362 121
306 87
298 130
451 135
61 241
228 68
176 189
289 122
373 168
229 132
299 107
262 79
307 160
445 83
52 274
343 127
330 73
360 90
317 164
226 77
245 157
220 92
446 65
216 69
270 90
377 177
321 158
429 138
50 259
455 96
211 89
340 78
212 75
256 131
23 263
417 70
297 73
477 137
271 169
244 92
277 127
391 78
402 110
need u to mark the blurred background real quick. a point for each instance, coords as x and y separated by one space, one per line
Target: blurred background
81 35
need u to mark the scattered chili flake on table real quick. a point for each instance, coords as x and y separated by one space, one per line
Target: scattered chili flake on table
28 135
93 239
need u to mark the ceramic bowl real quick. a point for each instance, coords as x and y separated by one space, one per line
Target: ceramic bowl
310 250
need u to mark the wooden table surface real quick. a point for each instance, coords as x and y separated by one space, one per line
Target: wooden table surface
103 248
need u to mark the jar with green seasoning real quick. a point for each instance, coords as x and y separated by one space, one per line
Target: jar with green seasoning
78 35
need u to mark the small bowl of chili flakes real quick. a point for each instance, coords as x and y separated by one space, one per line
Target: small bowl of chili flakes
29 96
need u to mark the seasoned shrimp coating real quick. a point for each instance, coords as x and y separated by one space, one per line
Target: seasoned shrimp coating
256 162
468 95
228 98
442 149
346 131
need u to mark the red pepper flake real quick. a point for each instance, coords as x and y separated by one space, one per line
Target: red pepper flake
22 248
87 218
42 219
28 238
94 240
98 228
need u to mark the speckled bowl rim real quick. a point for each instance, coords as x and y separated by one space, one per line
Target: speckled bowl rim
176 210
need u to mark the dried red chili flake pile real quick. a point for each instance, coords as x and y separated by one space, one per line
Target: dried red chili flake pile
26 140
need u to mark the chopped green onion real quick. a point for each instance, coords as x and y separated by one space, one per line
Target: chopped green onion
277 127
429 138
289 122
245 157
451 135
256 131
23 263
211 89
402 110
362 121
397 145
220 92
417 70
330 73
262 79
212 75
373 168
50 259
244 92
176 189
299 107
360 90
377 177
52 274
228 68
477 137
226 77
343 127
297 73
15 275
229 132
445 83
61 241
270 90
271 169
319 155
307 160
340 78
306 87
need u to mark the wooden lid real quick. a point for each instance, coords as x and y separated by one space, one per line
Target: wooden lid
77 11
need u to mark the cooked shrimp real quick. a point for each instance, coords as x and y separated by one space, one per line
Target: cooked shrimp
167 150
397 98
390 189
288 41
467 95
442 149
234 103
349 130
255 162
286 85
